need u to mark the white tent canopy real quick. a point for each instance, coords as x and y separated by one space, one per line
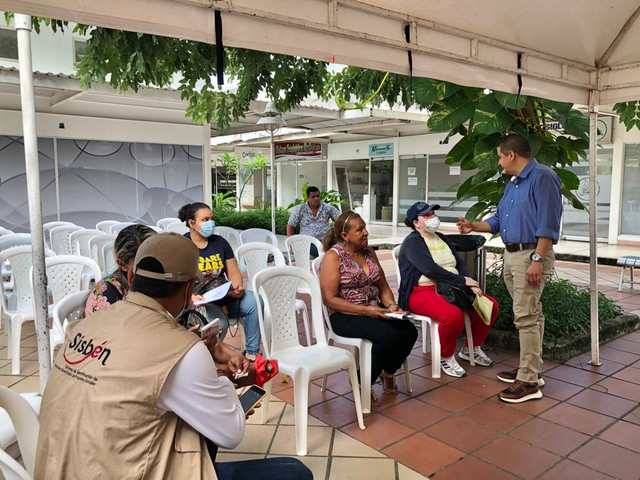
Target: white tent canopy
567 48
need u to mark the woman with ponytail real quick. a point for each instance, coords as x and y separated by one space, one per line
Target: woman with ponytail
357 294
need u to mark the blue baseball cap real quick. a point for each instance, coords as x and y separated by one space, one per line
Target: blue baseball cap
419 208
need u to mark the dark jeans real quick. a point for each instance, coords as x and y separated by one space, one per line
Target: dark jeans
392 339
265 469
313 251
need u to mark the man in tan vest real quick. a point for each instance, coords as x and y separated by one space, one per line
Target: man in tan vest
132 394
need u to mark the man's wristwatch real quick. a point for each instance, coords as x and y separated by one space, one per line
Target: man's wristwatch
536 257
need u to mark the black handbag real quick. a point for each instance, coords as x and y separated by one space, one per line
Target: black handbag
460 297
209 282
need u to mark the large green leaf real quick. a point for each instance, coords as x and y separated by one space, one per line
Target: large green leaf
510 100
485 153
548 152
491 117
476 211
460 151
569 179
428 91
450 112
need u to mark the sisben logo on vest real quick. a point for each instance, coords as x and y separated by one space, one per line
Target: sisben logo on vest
85 347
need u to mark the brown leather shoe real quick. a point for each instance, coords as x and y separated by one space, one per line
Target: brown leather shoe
510 376
520 392
389 384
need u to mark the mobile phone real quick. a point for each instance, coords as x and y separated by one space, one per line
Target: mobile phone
210 329
251 397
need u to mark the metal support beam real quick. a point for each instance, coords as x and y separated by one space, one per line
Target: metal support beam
593 227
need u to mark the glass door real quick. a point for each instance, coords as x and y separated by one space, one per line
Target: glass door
444 181
381 190
413 183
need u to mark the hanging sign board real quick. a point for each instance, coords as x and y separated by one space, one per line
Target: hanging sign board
298 149
413 181
454 170
380 149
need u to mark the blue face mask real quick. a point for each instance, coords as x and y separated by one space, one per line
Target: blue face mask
207 228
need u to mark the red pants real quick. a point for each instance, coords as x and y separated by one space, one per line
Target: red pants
425 301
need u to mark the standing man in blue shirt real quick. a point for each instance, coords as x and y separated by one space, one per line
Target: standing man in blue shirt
313 217
528 219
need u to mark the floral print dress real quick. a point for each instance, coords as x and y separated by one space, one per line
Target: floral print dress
107 291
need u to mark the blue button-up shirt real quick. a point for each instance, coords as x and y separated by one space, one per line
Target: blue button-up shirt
531 206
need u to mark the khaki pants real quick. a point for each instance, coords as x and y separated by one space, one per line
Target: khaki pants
527 309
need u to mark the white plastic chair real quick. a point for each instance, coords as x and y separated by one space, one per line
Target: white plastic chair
47 227
105 225
301 247
363 353
258 235
117 227
95 244
432 331
80 241
9 241
27 426
301 363
254 256
69 309
177 227
17 308
163 222
60 242
5 231
231 235
109 256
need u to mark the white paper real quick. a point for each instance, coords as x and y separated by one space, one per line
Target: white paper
412 181
215 294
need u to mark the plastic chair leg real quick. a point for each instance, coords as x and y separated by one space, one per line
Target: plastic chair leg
14 339
264 418
301 407
305 321
435 350
467 324
621 278
325 376
426 337
365 375
356 394
407 376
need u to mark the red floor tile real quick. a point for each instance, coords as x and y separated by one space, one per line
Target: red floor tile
426 373
603 403
558 389
549 436
450 399
629 374
433 455
380 432
607 368
569 470
462 433
619 388
496 415
574 375
610 459
316 395
517 457
415 414
472 468
532 408
338 383
336 412
624 434
417 360
480 386
625 346
609 353
633 417
419 385
577 418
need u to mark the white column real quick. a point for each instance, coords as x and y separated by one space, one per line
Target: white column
593 228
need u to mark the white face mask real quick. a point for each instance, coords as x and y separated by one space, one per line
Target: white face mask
432 224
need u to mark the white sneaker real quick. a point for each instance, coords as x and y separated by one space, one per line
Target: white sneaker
479 356
451 367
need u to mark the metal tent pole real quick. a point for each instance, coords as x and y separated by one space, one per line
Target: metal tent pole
593 228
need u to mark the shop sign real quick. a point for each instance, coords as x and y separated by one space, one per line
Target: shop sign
380 149
298 149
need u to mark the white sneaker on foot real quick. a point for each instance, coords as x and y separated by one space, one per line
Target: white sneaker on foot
451 367
479 356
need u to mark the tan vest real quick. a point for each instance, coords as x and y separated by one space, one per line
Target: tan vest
99 415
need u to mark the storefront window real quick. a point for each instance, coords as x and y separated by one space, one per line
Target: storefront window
444 181
630 218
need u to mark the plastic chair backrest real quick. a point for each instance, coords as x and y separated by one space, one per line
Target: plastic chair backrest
229 234
163 222
301 246
69 309
177 227
315 268
5 231
117 227
60 242
279 286
21 261
109 256
258 235
255 256
26 424
64 274
96 243
395 253
14 240
105 225
80 241
47 227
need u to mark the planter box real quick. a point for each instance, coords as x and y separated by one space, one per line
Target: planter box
566 348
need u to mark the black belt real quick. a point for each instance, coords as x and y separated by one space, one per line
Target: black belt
515 247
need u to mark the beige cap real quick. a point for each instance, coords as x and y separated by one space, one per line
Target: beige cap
177 254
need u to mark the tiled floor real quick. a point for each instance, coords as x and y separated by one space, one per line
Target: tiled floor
587 425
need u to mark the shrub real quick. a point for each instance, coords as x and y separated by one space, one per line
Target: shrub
566 307
255 218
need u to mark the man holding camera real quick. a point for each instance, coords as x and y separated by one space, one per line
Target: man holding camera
132 394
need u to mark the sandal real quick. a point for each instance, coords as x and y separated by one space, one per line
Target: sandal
389 384
375 401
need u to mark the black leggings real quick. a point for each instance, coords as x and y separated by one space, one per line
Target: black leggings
392 339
